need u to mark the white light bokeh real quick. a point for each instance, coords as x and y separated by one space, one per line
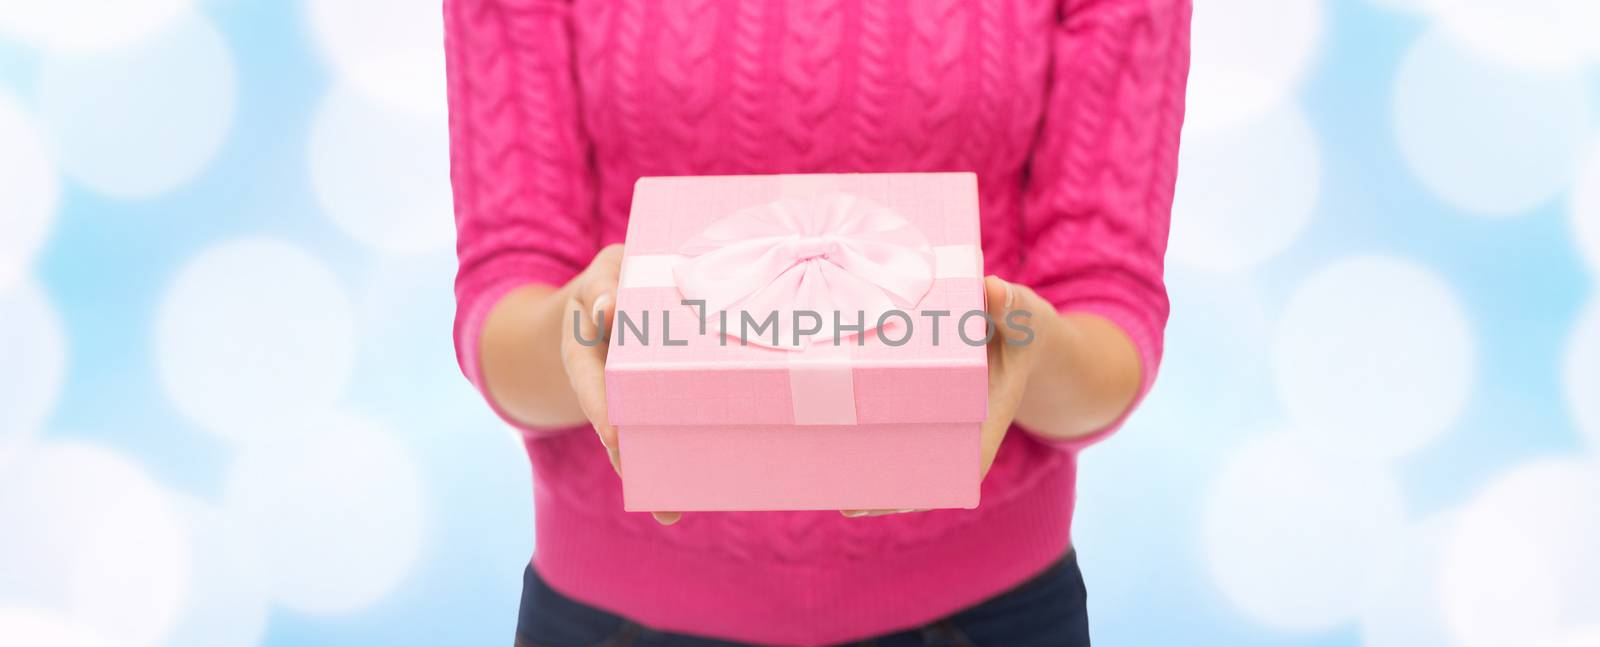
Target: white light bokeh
227 603
1248 56
252 333
1542 33
1406 6
85 24
1289 532
33 365
1401 606
1488 138
89 535
1521 568
140 121
1581 374
1584 211
1589 637
1374 355
1247 191
383 176
29 191
392 51
27 626
337 506
402 305
1216 374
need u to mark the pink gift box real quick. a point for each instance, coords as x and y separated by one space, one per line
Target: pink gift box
715 416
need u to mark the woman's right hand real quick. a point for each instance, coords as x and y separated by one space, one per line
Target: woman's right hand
591 304
586 327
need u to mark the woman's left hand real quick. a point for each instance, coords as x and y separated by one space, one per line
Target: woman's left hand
1019 315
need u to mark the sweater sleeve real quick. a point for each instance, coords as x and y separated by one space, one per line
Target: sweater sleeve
519 159
1100 186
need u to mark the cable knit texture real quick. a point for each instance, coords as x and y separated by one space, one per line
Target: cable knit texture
1068 110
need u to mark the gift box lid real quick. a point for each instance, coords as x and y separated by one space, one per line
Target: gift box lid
768 265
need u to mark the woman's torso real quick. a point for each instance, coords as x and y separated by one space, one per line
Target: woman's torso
729 87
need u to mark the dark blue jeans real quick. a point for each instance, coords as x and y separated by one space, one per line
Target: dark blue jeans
1046 611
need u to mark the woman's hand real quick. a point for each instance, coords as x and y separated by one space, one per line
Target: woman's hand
1018 314
1013 354
591 306
588 311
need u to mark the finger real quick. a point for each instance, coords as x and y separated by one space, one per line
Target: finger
595 298
586 369
667 518
999 295
596 302
1011 308
592 308
877 513
585 364
991 436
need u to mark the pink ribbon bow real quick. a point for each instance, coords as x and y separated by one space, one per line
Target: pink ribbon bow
830 253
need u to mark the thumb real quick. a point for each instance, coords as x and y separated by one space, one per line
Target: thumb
999 296
1008 306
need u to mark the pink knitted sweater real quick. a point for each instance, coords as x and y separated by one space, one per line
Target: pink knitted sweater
1069 112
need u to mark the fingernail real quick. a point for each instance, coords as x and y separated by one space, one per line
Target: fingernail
905 510
600 303
853 513
1011 293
